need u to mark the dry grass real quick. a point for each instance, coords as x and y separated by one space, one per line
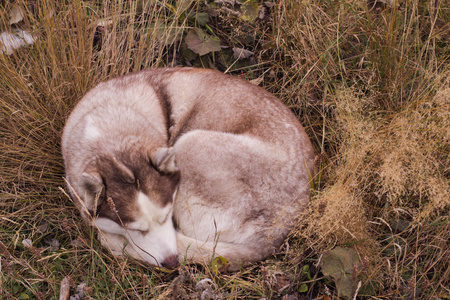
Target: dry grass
376 96
370 86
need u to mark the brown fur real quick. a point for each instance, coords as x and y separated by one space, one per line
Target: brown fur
239 158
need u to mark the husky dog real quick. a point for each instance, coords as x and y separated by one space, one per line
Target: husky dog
183 163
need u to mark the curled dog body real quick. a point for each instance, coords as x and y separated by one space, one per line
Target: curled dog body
182 163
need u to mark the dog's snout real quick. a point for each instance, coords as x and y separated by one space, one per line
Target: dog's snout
170 262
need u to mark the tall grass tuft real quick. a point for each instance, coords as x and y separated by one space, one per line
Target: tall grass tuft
78 44
373 85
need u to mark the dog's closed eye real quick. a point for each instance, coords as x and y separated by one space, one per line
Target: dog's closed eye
143 232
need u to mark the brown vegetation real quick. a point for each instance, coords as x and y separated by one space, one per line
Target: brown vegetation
371 86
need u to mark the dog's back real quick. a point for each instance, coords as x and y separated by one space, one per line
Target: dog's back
243 158
244 161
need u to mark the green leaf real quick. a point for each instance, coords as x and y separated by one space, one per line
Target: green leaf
202 18
343 265
23 296
218 263
303 288
250 10
201 43
187 53
305 271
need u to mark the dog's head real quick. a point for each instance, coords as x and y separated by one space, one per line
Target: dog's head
130 198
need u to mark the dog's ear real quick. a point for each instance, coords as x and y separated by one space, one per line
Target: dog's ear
91 187
163 159
126 174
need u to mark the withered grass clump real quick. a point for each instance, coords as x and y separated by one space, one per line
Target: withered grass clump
388 183
370 85
377 100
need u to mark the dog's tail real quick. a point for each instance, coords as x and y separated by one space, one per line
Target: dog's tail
237 255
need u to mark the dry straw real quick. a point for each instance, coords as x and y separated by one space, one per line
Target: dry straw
370 85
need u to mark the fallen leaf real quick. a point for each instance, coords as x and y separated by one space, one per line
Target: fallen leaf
230 2
377 5
64 291
202 18
79 292
342 264
201 43
240 53
205 283
42 228
28 243
15 15
257 81
282 282
218 263
10 41
53 243
105 22
400 225
77 243
250 11
262 13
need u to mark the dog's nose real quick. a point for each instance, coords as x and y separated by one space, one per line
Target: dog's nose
170 262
